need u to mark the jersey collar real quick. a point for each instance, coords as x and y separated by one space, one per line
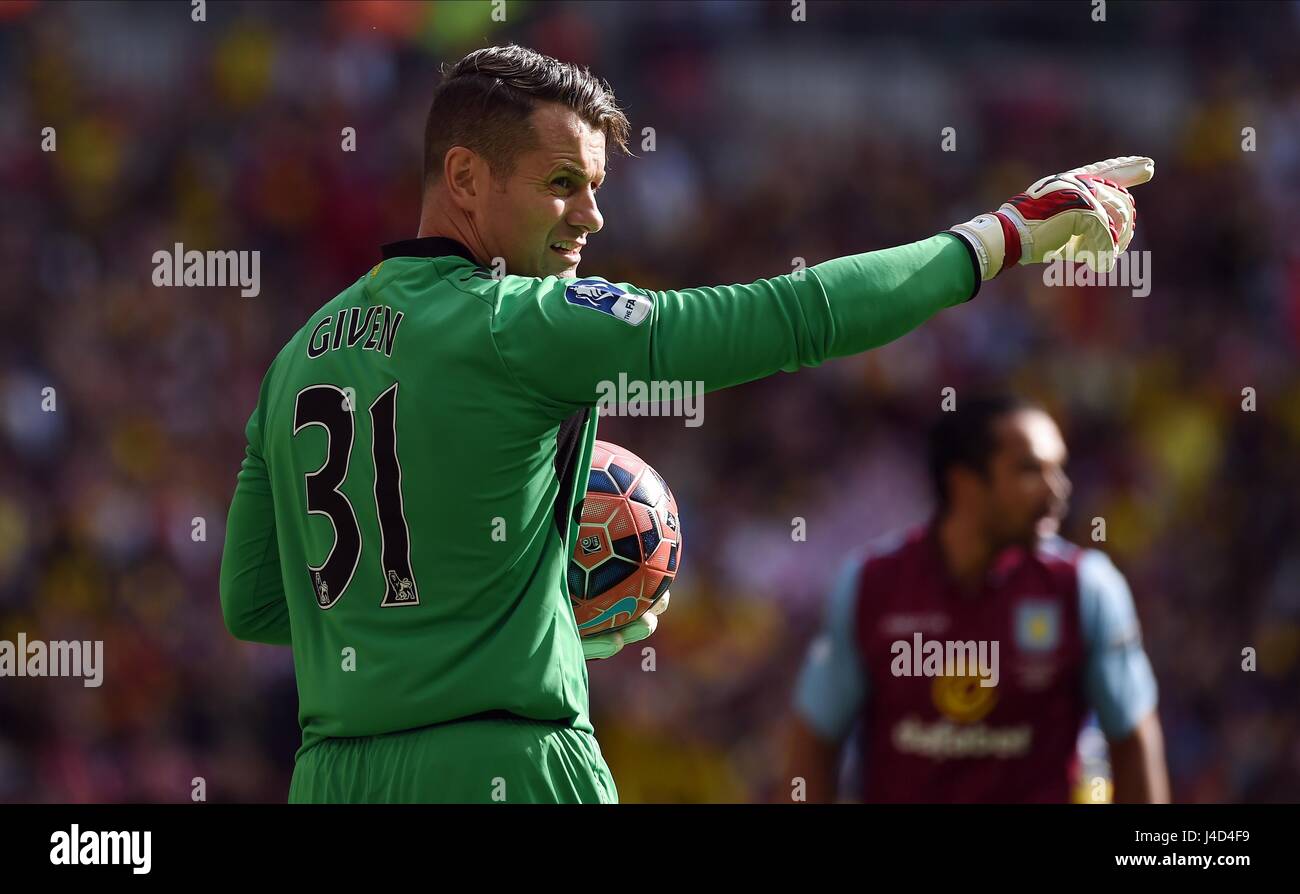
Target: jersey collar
428 247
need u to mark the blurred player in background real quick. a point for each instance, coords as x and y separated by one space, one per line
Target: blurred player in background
448 395
988 569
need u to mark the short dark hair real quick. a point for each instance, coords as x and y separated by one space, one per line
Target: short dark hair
485 100
965 436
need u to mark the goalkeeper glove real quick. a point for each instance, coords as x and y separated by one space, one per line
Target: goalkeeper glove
604 645
1084 212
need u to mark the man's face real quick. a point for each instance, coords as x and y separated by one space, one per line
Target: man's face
550 197
1027 491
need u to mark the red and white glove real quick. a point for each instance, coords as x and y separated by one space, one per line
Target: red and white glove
1086 214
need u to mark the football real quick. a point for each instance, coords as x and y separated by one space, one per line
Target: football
629 541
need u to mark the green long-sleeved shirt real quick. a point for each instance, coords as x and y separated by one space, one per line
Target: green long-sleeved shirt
401 517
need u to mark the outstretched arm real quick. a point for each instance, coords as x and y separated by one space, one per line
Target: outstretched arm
561 338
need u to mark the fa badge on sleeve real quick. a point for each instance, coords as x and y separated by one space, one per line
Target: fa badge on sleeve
610 299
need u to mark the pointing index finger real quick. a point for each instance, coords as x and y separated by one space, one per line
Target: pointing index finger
1129 170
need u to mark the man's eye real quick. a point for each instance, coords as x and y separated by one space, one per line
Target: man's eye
564 182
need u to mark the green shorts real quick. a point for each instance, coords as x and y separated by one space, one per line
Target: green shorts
473 761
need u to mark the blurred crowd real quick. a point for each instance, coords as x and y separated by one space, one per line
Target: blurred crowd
772 140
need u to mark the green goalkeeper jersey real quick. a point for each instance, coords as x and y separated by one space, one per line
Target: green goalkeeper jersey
419 448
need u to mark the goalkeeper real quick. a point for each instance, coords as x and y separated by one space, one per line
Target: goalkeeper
403 514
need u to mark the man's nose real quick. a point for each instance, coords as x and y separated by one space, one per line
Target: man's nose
1061 486
584 213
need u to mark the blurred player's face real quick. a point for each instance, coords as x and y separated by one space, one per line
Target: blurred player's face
550 197
1027 490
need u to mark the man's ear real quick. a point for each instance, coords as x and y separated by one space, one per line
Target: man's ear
461 176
